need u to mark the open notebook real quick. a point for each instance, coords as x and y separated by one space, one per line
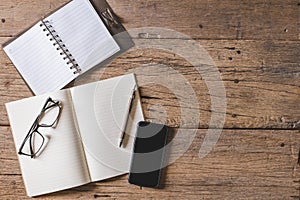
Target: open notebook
84 145
62 46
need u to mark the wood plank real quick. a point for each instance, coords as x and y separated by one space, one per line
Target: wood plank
247 164
255 45
261 80
210 19
18 15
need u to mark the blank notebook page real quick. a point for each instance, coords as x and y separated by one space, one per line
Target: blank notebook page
38 61
100 109
82 31
61 165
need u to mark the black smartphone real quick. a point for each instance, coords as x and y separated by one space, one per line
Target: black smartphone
148 154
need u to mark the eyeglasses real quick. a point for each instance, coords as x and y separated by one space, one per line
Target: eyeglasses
48 118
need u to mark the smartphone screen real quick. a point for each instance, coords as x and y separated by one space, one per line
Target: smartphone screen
148 154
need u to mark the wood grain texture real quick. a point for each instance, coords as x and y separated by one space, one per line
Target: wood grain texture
256 47
208 19
261 80
261 162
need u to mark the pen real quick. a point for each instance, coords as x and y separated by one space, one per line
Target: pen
127 116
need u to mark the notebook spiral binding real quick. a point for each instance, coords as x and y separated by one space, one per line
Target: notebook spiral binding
57 41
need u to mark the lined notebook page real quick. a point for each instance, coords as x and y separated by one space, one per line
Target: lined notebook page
62 164
101 110
100 170
38 61
82 31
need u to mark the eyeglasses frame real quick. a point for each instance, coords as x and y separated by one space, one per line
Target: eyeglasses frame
35 126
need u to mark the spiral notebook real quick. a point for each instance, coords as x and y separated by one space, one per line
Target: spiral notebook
62 46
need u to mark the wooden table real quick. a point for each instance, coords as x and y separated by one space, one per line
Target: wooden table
256 47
